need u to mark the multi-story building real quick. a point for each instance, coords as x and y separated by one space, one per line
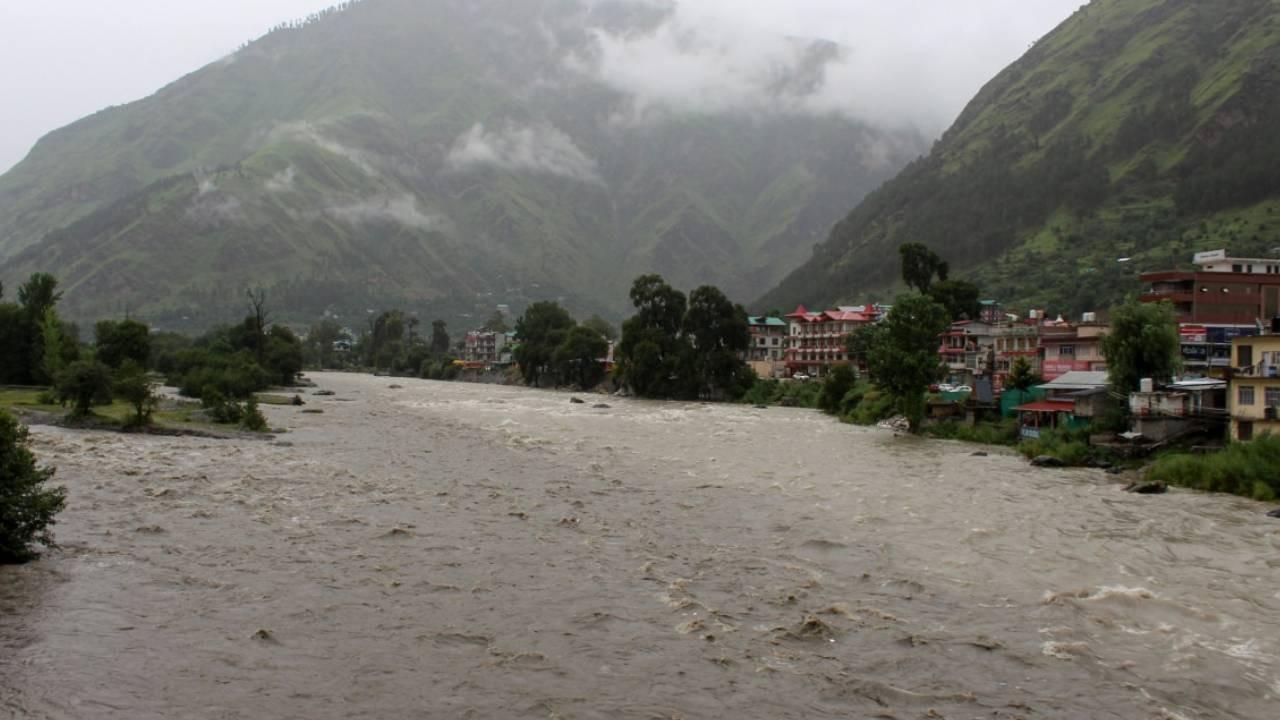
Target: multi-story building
967 348
816 339
767 353
1013 341
1253 396
1066 347
1223 299
487 347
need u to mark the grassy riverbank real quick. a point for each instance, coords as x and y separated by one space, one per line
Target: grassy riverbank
1248 469
172 416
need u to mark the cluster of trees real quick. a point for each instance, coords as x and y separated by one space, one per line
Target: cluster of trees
27 507
553 349
684 347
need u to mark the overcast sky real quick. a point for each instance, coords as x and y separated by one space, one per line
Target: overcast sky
913 61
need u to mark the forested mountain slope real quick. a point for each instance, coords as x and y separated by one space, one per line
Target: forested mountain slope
439 155
1138 130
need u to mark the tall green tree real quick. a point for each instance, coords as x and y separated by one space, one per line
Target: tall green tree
920 266
904 358
133 385
84 383
28 508
961 298
539 333
602 326
58 347
283 355
720 335
439 338
320 339
578 358
116 342
1142 342
1021 375
497 322
655 358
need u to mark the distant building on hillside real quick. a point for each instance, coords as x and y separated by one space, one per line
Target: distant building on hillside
1067 347
767 353
487 347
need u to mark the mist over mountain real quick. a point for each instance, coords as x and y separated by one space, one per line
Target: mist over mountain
1135 134
445 156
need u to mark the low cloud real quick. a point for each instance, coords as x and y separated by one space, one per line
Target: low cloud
540 148
281 182
400 209
314 134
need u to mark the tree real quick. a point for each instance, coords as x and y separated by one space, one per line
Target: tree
256 323
133 385
655 359
117 342
837 384
284 354
320 339
439 338
1021 375
27 508
1143 342
720 335
497 322
14 352
961 298
37 294
904 359
602 326
578 358
859 343
539 333
84 383
59 347
920 265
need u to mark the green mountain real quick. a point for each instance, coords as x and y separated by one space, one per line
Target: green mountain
436 155
1133 135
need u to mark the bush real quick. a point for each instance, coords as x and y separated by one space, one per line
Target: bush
134 386
220 409
27 508
1069 446
869 405
836 387
1248 469
1004 432
253 419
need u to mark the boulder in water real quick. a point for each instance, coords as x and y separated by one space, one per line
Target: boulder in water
577 401
979 454
601 406
1048 461
1274 513
1147 488
324 393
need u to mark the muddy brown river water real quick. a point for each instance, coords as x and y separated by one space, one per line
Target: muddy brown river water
461 551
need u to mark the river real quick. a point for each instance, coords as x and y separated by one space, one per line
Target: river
461 551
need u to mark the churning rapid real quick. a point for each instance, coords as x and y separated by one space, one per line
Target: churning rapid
447 550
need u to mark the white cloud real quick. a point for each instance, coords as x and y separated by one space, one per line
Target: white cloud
282 181
539 148
399 209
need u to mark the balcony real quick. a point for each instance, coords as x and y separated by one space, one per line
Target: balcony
1261 370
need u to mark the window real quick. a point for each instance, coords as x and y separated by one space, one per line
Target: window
1245 431
1273 397
1245 395
1245 356
1067 351
1237 268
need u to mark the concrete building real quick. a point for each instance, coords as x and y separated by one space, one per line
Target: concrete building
1067 347
1224 298
487 348
767 354
967 350
1013 341
1254 393
816 339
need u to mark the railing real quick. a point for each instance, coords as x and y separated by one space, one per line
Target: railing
1260 370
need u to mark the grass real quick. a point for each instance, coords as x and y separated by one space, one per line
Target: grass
1004 432
172 416
1247 469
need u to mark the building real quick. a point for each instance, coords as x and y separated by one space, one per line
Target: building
487 348
767 353
967 351
1222 299
1253 397
1013 341
1066 347
1071 401
1165 413
816 339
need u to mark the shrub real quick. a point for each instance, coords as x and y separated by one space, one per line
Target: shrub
134 386
221 410
1248 469
835 387
873 406
27 508
1069 446
1004 432
253 419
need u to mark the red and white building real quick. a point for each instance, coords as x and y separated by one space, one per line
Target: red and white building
815 341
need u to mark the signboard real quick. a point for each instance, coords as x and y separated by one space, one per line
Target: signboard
1031 433
1054 369
1210 256
1194 333
1195 353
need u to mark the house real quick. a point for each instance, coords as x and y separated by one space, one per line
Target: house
815 341
486 348
1164 413
1253 395
967 351
1223 299
1013 341
1072 400
767 353
1067 347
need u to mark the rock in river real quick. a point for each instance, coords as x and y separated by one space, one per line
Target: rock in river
1048 461
1274 513
1147 488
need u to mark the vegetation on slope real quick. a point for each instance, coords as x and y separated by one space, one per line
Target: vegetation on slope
1139 129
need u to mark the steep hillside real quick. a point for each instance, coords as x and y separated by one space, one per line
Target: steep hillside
1134 134
445 155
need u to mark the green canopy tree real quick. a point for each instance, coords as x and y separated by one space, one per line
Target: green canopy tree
1021 375
961 298
602 326
904 354
83 384
120 341
655 358
133 385
28 509
719 332
920 265
1143 342
578 358
539 333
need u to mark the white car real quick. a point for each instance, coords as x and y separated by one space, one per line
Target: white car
800 376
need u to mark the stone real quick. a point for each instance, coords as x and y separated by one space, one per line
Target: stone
601 406
577 401
1048 461
324 393
1147 488
1274 513
979 454
1115 471
762 407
